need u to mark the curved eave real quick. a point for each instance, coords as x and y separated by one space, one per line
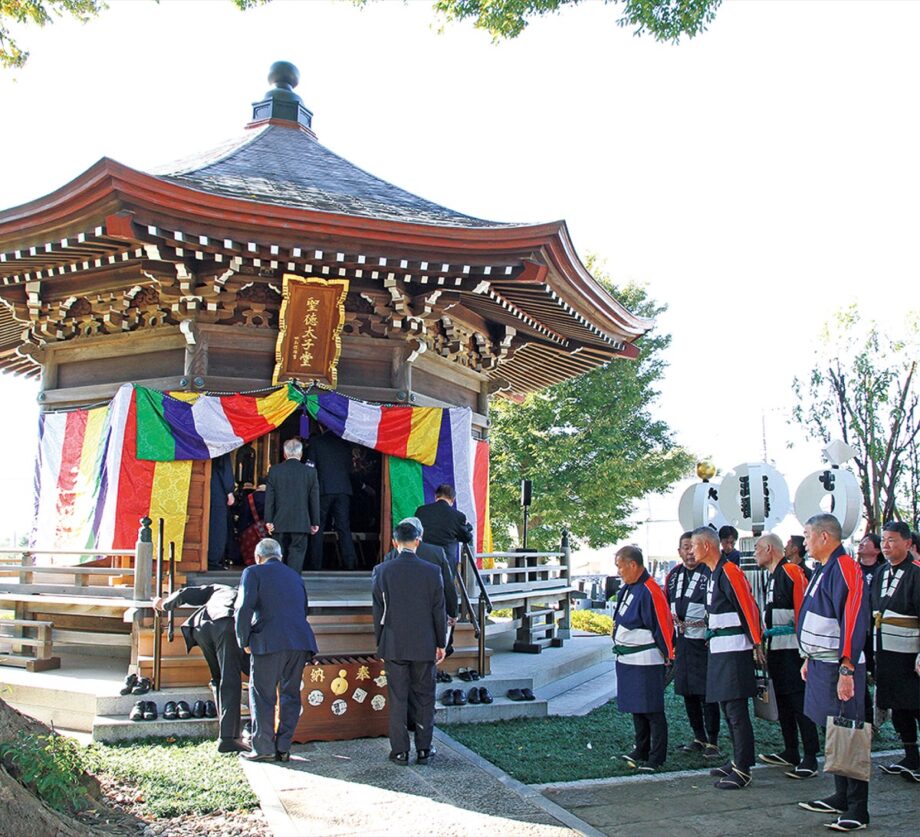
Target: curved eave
109 186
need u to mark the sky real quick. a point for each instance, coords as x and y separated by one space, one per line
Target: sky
755 178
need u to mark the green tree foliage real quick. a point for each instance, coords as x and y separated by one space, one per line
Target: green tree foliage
863 389
40 13
590 445
665 20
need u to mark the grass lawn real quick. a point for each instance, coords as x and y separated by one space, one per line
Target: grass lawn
179 777
559 749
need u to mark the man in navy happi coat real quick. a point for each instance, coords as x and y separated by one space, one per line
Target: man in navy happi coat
643 641
734 631
831 628
685 587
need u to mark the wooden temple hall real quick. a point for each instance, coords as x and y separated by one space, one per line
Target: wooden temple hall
216 307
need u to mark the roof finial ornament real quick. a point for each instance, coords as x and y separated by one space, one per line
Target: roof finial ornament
281 102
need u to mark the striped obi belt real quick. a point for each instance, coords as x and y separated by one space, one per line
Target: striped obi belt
782 633
638 645
897 632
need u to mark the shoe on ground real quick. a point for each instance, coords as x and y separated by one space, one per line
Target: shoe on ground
198 709
528 694
254 756
150 710
447 697
911 775
485 696
459 697
474 675
129 684
845 824
712 751
894 769
648 767
473 696
820 806
737 780
723 770
806 769
183 710
283 757
231 745
776 760
695 746
142 686
210 709
400 758
464 675
515 694
632 759
137 711
170 711
425 756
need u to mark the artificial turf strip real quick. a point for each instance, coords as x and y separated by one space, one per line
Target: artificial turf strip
178 777
564 749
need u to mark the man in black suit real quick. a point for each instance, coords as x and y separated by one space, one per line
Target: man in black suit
433 555
410 625
444 525
332 457
272 626
292 504
210 627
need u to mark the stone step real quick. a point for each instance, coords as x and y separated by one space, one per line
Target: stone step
502 709
585 697
120 705
108 728
577 679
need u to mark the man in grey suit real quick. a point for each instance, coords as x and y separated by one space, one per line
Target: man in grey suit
410 624
292 504
272 626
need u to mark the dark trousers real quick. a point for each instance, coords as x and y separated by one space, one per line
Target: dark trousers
218 530
704 718
651 737
905 723
293 548
852 797
794 722
410 684
226 662
738 718
338 507
275 678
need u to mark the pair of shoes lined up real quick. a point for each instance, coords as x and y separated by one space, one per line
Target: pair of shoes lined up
906 768
146 710
421 757
442 677
468 674
134 685
521 694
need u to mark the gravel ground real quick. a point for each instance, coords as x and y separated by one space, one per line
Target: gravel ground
125 799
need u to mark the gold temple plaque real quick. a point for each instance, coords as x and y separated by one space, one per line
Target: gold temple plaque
310 329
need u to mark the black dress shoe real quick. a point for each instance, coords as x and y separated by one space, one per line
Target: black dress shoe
231 745
142 686
150 710
170 711
473 696
447 697
424 756
515 694
183 710
254 756
459 698
485 696
137 711
400 758
210 709
198 709
527 694
129 684
284 757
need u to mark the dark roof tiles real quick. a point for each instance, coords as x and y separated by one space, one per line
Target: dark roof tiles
286 166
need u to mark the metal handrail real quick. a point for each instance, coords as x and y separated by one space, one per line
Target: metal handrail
465 601
483 595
